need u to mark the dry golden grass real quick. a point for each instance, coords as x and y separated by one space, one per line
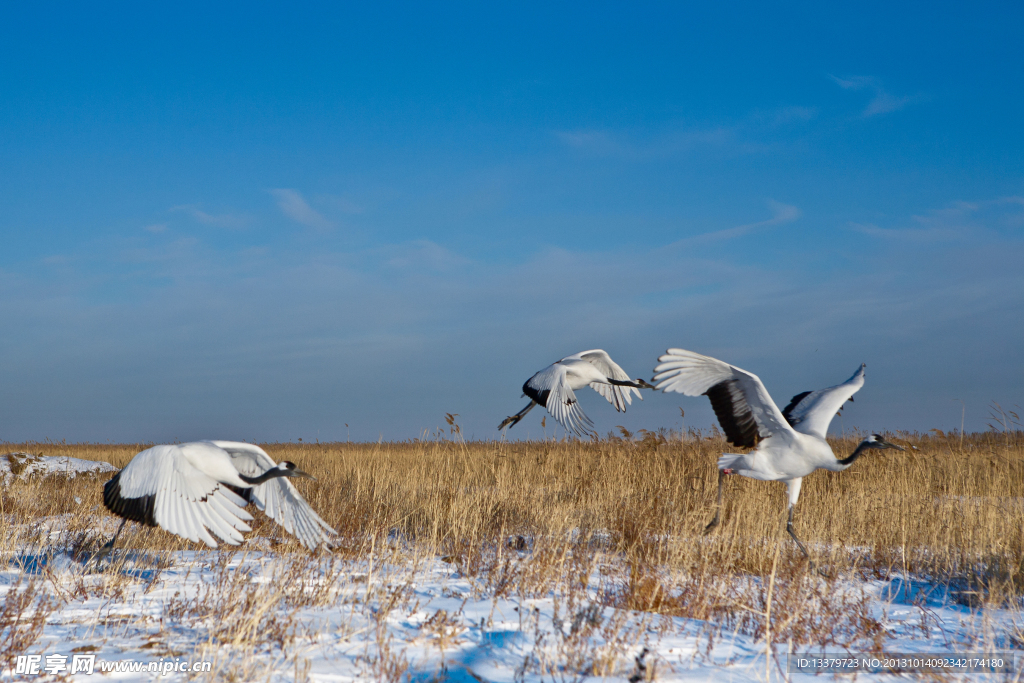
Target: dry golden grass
945 507
528 518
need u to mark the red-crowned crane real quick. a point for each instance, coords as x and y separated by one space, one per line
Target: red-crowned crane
193 489
553 388
788 445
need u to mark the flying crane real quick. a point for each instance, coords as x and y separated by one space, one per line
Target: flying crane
554 387
788 445
200 490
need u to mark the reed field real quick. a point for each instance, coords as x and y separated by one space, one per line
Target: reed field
615 522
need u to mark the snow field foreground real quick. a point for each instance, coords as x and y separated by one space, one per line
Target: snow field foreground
393 613
577 557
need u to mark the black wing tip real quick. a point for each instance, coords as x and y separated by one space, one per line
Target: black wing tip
793 403
540 397
140 509
735 416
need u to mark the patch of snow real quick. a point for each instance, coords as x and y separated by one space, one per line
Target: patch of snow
355 619
23 465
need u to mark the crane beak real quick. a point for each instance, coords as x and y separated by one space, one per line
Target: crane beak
887 444
302 473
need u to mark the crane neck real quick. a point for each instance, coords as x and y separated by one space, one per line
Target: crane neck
266 476
846 462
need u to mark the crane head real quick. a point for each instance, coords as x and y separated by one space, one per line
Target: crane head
292 470
876 441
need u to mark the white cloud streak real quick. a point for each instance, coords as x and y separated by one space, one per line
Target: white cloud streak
295 207
751 134
883 102
958 221
781 214
226 220
621 144
920 235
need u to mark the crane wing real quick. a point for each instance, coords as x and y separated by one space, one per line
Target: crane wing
278 497
812 411
618 396
159 487
550 387
743 407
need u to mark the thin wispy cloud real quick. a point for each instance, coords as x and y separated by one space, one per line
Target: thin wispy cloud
1013 218
781 214
295 207
938 225
664 144
883 101
156 228
785 116
958 221
341 204
424 255
225 220
587 139
754 133
922 235
178 250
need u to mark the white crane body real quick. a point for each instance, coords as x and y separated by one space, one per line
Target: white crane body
199 490
554 388
787 445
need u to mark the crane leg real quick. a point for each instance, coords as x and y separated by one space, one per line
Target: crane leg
110 544
105 549
636 384
512 420
789 528
718 510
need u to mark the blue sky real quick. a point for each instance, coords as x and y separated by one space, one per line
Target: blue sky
265 222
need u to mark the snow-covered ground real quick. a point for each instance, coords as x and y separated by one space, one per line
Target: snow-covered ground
22 465
396 615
